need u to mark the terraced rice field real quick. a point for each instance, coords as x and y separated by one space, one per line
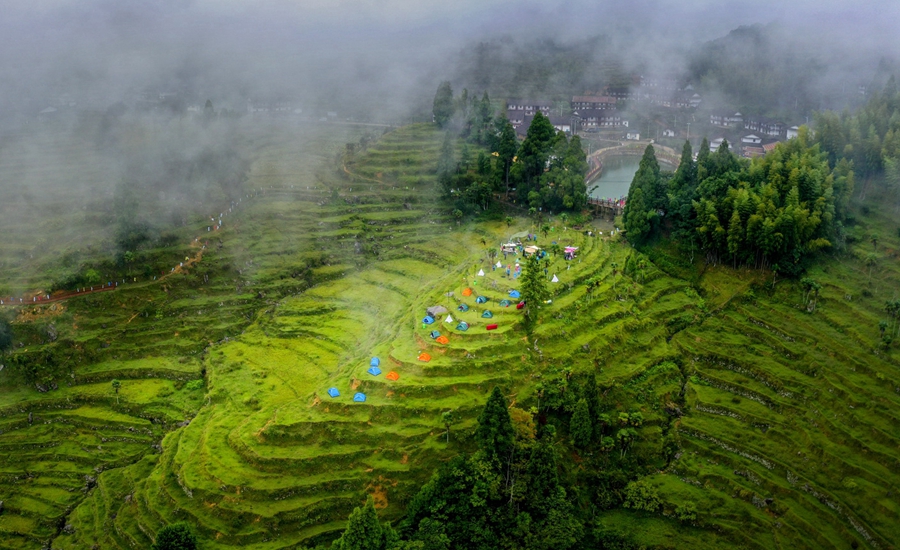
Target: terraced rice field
787 433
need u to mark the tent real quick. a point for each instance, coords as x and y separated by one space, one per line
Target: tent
520 305
434 311
467 291
487 314
449 319
492 326
462 326
481 300
555 279
374 362
442 340
333 392
424 357
359 397
505 303
463 307
374 371
514 294
481 273
428 319
392 376
434 334
499 264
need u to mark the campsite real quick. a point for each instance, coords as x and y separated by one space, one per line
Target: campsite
273 399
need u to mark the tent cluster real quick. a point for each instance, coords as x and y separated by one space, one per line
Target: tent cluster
375 370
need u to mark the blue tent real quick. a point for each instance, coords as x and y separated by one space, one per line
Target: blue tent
505 303
463 307
434 334
359 397
514 294
374 371
375 362
333 392
487 314
428 319
481 300
462 326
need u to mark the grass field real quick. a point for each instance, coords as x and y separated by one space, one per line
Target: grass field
788 438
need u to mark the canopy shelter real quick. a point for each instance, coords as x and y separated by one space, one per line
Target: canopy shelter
515 294
463 307
481 300
467 291
487 314
442 340
570 252
428 319
359 397
434 334
434 311
529 250
374 371
462 326
392 376
374 362
492 326
333 392
424 357
508 247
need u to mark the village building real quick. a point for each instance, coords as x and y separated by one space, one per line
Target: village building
590 102
765 126
723 120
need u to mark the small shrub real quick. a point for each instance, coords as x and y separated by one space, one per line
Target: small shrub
194 385
640 495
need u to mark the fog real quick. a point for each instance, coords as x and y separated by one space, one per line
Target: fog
115 73
387 55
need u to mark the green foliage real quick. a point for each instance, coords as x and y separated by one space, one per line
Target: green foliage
177 536
645 197
364 532
640 495
495 435
581 428
443 107
534 288
6 334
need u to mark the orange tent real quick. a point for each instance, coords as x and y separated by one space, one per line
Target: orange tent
442 340
424 357
393 376
467 291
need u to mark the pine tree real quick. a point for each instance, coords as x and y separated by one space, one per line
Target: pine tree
443 107
580 427
534 288
495 435
363 531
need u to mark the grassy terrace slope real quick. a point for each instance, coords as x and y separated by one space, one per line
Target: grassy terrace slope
788 439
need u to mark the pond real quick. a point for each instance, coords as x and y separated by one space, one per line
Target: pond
618 171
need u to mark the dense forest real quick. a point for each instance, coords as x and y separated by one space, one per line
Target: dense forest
778 210
546 169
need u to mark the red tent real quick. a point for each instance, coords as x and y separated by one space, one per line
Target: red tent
520 305
393 376
424 357
492 327
442 340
